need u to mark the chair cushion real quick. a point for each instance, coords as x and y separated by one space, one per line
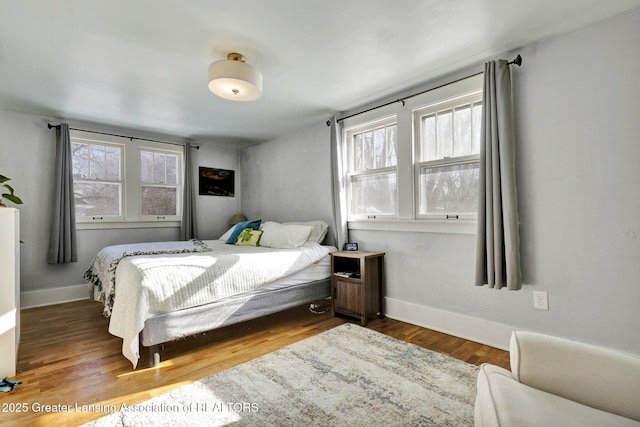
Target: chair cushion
502 401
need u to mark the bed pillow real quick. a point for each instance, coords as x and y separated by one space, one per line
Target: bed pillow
318 229
249 237
233 238
284 236
227 234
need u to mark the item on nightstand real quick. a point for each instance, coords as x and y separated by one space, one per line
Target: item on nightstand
351 246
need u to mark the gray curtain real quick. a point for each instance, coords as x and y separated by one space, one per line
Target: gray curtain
63 247
498 244
188 225
340 230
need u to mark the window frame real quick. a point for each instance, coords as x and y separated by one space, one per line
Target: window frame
406 220
452 104
120 182
352 174
131 183
178 185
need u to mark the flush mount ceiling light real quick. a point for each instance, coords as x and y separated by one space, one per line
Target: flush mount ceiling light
234 79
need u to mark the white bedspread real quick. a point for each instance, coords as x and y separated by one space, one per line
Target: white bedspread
102 272
147 285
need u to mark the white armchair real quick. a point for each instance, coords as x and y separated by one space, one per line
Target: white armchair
557 382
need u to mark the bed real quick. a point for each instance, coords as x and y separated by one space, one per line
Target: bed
154 293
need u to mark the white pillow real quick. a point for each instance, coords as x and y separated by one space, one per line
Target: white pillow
283 236
227 234
318 230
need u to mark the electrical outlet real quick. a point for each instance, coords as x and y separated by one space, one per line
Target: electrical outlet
540 300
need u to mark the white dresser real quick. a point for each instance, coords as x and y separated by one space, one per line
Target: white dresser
9 290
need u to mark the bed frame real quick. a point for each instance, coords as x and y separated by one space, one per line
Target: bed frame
166 327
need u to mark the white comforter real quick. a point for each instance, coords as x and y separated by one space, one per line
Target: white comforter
102 272
147 285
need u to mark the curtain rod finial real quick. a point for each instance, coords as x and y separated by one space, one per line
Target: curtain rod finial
517 61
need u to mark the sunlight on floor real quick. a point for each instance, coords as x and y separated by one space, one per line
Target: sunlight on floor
165 364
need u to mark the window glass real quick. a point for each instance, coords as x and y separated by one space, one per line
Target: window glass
159 201
372 177
97 179
374 194
449 189
161 169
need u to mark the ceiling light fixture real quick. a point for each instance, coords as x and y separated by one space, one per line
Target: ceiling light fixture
234 79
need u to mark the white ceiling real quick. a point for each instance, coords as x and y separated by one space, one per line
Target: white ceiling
142 64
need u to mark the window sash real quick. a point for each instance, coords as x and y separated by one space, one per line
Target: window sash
461 148
87 176
424 152
368 170
158 178
452 170
382 202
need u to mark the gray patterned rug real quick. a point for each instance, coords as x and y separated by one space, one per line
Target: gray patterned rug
347 376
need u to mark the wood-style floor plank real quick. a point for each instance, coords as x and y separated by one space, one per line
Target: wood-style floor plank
67 357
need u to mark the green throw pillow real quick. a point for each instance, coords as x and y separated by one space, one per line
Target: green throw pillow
255 224
249 237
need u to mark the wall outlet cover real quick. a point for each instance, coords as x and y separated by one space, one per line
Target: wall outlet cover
540 300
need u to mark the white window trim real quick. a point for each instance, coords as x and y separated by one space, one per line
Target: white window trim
385 121
179 178
459 226
446 104
85 138
109 225
131 204
406 220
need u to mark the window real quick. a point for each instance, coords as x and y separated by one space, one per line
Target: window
97 180
448 156
415 165
159 178
118 181
372 169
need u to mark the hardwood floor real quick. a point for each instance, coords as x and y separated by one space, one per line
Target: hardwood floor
67 357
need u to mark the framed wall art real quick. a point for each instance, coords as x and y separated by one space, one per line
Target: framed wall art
216 182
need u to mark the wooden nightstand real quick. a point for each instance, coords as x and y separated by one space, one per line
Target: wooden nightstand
356 284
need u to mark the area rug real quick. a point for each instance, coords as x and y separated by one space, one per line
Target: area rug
347 376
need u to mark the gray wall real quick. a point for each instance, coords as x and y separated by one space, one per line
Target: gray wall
289 178
26 155
577 108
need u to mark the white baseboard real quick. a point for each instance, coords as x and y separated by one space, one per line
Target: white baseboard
31 299
460 325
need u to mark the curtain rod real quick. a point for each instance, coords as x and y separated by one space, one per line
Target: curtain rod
517 61
131 138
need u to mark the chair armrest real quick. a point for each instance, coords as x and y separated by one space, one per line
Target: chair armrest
594 376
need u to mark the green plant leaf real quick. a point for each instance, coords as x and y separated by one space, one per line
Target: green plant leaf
10 188
12 198
3 179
